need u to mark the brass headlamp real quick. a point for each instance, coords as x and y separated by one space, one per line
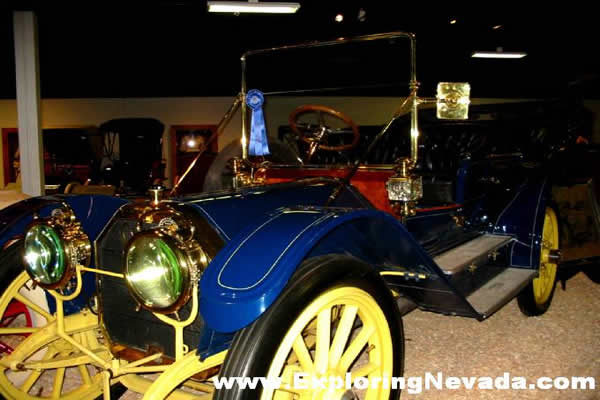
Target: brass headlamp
53 247
162 265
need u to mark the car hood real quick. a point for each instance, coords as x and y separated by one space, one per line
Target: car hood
231 211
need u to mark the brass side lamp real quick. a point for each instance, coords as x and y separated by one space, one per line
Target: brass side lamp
404 189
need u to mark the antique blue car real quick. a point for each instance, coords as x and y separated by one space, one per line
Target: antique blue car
299 268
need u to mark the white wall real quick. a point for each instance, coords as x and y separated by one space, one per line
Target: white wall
59 113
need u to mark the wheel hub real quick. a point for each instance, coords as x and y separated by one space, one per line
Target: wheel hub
349 395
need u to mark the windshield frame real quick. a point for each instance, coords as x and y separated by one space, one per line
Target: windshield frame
413 83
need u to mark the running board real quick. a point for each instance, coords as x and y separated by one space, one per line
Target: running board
472 253
500 290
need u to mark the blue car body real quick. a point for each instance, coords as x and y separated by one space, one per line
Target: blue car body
284 224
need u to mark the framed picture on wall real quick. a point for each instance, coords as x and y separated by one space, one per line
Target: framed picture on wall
186 142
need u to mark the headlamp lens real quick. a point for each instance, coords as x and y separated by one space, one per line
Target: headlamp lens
45 259
154 272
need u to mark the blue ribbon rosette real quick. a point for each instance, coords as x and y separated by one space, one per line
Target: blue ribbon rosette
259 145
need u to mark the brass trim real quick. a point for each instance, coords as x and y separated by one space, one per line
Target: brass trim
218 132
410 186
186 253
363 167
339 41
404 274
76 243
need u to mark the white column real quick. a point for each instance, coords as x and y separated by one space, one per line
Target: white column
28 102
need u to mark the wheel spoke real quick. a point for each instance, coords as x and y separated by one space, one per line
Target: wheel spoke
70 360
359 342
18 331
323 337
59 379
30 381
303 355
321 119
365 370
85 375
286 393
33 306
342 334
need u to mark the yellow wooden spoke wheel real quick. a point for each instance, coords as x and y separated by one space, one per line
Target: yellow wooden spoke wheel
537 296
37 363
335 348
333 334
50 367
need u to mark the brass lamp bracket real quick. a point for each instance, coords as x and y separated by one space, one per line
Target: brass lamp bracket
156 194
248 173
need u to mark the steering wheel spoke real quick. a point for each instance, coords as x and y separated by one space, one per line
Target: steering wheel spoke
316 134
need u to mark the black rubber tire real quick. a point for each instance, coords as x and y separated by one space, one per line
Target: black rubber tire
253 347
527 303
10 265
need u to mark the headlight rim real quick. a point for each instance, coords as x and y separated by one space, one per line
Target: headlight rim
75 244
187 266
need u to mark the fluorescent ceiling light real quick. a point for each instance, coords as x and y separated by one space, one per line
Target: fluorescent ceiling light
498 54
252 7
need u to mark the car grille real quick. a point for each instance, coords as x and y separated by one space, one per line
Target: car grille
124 325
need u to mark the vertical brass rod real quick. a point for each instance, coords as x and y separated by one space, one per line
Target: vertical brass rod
336 42
414 114
220 129
245 138
413 58
414 127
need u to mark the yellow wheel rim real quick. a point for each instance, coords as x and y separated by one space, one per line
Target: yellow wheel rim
41 346
342 331
544 283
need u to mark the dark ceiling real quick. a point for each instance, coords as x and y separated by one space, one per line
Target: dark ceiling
176 48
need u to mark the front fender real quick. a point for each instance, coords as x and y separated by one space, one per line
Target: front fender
93 211
15 217
252 269
523 218
250 272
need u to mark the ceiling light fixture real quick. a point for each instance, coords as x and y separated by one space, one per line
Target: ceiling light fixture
339 18
498 54
252 6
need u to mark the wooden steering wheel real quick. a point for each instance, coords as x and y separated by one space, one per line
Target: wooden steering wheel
316 134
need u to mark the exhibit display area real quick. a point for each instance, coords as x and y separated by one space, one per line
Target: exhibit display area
301 249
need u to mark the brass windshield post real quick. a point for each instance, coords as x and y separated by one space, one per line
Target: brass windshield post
405 188
414 124
245 138
220 129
